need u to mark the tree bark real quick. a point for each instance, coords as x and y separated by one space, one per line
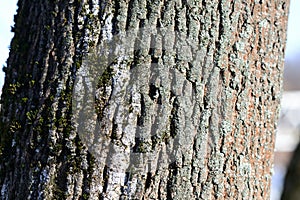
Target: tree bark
189 111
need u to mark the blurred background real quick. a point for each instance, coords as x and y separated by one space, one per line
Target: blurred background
288 132
289 124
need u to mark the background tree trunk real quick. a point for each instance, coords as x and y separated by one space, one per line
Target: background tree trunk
199 123
291 182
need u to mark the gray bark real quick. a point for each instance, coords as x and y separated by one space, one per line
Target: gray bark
175 119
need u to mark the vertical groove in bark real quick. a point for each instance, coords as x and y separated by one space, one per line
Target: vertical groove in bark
208 102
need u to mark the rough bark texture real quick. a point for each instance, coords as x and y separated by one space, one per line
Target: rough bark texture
222 139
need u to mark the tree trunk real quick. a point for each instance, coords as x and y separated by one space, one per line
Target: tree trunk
142 99
292 182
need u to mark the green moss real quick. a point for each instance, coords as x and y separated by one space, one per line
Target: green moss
78 65
88 27
24 99
38 128
13 87
85 196
14 126
57 148
51 98
62 122
103 81
47 27
31 116
31 83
